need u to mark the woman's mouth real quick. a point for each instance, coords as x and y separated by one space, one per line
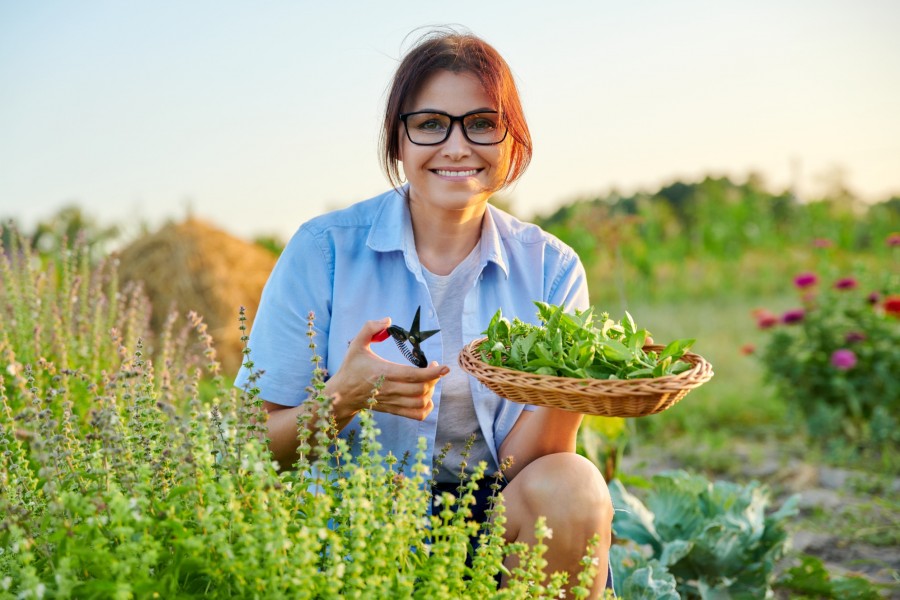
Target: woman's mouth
456 173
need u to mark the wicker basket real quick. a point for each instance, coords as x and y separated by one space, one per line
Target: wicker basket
606 397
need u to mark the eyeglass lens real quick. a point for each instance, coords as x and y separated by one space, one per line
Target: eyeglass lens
428 128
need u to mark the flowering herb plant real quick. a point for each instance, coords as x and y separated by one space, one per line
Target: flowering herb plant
575 345
125 472
835 356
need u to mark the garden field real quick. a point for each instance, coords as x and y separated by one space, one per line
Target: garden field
132 469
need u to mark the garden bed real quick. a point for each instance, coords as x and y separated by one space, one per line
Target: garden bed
849 518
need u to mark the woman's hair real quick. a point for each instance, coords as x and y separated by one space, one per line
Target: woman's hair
458 53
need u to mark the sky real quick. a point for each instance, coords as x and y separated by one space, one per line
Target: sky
258 116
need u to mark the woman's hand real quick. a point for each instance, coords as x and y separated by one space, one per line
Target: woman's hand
405 390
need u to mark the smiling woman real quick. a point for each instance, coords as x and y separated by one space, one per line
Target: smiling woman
434 246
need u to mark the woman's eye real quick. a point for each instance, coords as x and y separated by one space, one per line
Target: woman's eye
482 124
431 125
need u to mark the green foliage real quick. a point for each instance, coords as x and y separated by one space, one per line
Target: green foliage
638 578
119 479
57 232
573 345
272 243
68 319
714 538
711 237
834 358
809 579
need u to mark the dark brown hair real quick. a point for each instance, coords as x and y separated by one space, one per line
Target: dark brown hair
459 53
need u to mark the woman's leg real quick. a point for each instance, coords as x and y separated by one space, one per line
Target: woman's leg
569 491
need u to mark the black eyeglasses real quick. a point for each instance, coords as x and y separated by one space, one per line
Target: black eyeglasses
429 128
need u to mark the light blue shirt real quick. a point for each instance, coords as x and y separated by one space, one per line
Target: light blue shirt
360 264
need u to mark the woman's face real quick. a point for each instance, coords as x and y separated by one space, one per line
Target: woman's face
455 174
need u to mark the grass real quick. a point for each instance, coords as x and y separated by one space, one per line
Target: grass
736 399
736 405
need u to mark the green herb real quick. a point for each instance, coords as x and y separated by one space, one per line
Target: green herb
125 472
578 345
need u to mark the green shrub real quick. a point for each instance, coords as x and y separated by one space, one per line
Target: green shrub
714 538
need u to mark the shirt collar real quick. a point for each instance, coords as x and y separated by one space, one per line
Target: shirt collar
386 236
492 250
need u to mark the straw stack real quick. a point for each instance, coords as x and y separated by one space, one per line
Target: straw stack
192 266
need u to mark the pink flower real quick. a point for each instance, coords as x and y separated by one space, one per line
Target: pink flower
854 336
893 239
846 283
805 280
822 243
764 318
792 316
843 359
873 298
748 349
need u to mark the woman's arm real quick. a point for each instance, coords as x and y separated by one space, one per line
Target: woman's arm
539 433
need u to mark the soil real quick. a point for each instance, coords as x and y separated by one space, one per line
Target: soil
849 519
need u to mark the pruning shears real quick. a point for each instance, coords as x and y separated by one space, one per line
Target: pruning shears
413 352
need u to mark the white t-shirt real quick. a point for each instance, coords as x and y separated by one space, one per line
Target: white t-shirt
457 420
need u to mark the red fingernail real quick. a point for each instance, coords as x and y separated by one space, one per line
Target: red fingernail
381 336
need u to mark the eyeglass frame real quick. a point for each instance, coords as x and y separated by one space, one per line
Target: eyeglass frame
453 119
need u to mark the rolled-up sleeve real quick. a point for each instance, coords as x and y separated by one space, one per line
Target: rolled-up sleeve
300 284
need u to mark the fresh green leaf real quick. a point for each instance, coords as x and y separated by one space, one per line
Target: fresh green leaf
575 345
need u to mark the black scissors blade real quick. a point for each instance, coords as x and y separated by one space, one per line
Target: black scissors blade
415 337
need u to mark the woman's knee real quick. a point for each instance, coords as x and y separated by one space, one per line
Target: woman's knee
569 482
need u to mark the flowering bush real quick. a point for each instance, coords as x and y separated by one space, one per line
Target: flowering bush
835 357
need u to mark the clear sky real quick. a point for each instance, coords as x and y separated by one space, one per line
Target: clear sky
260 115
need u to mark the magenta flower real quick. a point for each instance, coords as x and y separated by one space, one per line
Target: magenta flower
843 359
892 305
873 298
805 280
845 283
854 336
792 316
893 239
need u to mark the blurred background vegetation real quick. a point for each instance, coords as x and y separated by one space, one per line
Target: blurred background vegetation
692 259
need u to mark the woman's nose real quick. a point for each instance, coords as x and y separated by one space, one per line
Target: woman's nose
456 145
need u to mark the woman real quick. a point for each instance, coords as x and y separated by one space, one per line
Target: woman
454 121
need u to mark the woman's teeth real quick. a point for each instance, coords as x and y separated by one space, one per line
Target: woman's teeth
468 173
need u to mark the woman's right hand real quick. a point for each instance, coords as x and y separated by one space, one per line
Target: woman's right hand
405 390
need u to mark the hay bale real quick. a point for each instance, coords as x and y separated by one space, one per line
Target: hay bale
195 266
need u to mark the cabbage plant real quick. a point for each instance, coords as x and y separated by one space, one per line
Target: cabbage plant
716 539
